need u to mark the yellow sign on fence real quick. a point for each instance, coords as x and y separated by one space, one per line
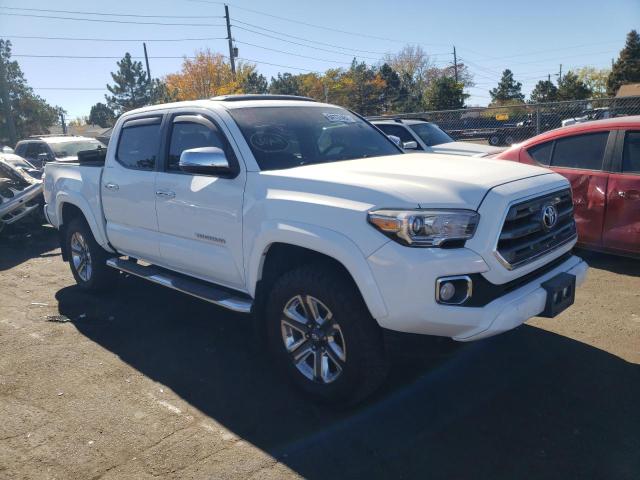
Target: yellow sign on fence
502 116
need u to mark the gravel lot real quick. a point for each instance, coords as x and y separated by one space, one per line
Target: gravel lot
144 382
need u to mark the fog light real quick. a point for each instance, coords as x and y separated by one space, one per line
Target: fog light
447 291
453 290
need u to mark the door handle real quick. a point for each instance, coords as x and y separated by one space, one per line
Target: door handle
165 194
111 186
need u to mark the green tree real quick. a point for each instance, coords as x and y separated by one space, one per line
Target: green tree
444 93
360 88
544 91
508 90
570 87
627 68
285 84
394 93
23 112
595 79
254 82
131 89
102 115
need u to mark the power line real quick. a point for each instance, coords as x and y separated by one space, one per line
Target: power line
117 39
109 14
95 57
299 22
112 21
291 53
69 88
304 39
303 45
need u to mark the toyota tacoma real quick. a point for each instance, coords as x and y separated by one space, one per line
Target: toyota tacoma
308 217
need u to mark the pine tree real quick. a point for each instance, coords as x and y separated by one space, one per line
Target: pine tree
627 67
444 93
508 90
23 113
131 87
102 115
544 91
570 87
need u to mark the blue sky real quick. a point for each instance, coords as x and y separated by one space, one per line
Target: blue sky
530 38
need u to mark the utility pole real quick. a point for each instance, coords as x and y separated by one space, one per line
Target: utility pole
64 124
232 55
549 78
6 103
560 74
146 59
455 64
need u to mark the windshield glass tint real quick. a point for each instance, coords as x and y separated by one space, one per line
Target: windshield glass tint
430 134
286 137
71 149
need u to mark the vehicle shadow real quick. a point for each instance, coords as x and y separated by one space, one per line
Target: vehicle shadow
24 240
527 404
611 263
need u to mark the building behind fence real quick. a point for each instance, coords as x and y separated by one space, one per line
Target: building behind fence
515 123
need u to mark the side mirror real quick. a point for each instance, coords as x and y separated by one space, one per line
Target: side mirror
205 161
412 145
395 140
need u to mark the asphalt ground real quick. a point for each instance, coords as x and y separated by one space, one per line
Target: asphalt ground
142 382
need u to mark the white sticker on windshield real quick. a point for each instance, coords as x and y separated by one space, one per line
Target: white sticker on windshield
339 118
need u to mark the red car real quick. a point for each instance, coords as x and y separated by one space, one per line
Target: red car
601 159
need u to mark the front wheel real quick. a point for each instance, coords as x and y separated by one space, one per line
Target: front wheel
322 334
87 259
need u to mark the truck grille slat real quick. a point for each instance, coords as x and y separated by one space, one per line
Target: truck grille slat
525 236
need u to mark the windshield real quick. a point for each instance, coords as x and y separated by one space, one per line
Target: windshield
430 134
286 137
18 162
71 149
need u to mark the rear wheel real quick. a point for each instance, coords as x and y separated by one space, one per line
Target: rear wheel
87 259
323 335
495 140
509 140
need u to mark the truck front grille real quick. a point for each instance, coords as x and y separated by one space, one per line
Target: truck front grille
535 227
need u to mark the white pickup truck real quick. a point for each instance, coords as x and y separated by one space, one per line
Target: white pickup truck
310 218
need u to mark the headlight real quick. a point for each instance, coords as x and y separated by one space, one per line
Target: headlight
426 228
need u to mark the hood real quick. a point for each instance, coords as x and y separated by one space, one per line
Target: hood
465 148
404 181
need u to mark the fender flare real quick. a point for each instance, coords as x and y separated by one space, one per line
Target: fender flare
76 200
321 240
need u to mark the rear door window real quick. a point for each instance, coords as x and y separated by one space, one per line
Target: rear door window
402 133
541 153
580 151
138 145
631 153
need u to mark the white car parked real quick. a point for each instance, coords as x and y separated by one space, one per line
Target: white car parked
305 215
420 135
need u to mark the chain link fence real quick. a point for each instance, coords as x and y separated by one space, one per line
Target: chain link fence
514 123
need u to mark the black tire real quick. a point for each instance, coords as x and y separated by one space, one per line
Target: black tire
495 140
509 140
100 276
365 366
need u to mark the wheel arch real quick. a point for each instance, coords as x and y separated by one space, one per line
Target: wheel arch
70 207
288 246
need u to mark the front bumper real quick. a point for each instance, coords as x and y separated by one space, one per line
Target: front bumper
407 277
21 205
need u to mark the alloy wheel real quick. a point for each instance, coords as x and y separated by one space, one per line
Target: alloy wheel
313 339
81 256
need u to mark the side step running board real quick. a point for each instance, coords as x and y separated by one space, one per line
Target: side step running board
197 288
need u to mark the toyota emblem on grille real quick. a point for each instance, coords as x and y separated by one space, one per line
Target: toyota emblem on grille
549 217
